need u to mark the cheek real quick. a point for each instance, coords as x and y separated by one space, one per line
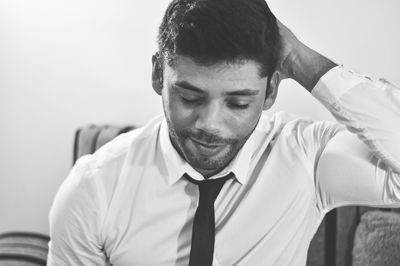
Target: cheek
179 116
241 125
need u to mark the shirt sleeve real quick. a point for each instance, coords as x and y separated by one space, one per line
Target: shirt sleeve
360 163
76 219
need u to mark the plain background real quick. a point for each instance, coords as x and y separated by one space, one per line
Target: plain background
66 64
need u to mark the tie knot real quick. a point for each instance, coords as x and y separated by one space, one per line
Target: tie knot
209 188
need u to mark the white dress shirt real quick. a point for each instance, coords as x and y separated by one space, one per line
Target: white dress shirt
128 204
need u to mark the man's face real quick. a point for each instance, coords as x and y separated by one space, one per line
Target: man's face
211 110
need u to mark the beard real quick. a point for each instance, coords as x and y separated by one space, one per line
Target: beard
202 163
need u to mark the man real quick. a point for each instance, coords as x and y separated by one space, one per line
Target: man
144 198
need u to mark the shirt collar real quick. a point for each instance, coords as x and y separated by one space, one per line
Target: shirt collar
177 166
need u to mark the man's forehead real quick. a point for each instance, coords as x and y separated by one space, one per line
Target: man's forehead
244 73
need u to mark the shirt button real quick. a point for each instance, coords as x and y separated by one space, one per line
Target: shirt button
346 75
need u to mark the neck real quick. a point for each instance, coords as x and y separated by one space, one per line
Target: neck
207 173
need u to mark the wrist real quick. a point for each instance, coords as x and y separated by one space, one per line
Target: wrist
307 66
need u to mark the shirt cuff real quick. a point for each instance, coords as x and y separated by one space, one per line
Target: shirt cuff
335 83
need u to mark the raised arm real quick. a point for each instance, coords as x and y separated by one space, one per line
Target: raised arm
359 164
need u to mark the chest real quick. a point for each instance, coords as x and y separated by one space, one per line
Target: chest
266 219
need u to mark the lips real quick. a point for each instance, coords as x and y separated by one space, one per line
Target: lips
207 148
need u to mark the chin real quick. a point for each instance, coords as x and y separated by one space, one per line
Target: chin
212 164
207 164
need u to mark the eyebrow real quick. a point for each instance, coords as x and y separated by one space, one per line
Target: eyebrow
187 86
244 92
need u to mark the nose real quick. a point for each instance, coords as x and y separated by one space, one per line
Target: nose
210 118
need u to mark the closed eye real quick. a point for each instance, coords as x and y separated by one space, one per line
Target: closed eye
189 98
187 95
239 102
238 105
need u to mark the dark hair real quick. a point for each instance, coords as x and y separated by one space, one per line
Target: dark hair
214 31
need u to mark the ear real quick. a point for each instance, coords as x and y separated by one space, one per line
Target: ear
157 73
272 90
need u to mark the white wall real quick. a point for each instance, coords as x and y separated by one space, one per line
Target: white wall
64 64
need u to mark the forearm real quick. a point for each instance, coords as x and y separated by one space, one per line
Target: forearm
360 165
307 66
368 108
299 62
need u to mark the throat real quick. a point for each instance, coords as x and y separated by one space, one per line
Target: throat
206 173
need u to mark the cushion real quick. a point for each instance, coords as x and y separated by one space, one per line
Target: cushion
377 239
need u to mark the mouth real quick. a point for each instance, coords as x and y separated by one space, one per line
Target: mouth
208 149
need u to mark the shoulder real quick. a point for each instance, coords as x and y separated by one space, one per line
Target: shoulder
81 204
91 181
305 133
288 123
103 168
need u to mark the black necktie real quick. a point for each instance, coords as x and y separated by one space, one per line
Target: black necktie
203 233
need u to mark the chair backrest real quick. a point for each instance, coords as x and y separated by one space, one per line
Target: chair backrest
88 139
